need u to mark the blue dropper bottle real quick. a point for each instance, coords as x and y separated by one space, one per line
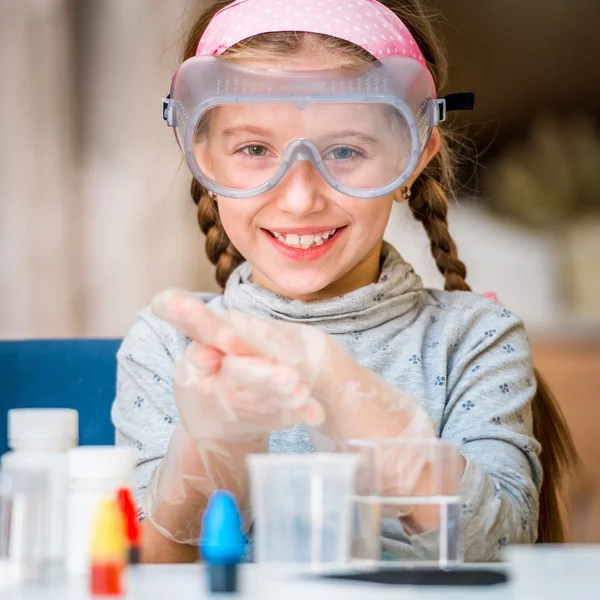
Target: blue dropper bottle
222 542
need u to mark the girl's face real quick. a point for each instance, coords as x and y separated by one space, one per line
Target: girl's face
303 239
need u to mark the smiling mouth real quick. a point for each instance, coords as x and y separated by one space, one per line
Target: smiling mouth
304 241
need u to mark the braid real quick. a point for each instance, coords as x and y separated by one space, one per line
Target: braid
429 205
220 251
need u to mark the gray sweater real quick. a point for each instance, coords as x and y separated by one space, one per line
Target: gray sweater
465 357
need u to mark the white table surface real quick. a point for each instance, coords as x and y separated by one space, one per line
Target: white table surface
565 574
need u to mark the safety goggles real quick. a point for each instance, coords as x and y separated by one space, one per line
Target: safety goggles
242 129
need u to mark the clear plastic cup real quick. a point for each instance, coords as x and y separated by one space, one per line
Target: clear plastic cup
302 508
24 534
407 505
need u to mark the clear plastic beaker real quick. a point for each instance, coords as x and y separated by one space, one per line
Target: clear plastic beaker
302 507
407 505
24 532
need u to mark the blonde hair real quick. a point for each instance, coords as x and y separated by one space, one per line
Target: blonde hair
428 203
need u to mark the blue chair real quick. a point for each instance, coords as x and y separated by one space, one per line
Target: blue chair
61 373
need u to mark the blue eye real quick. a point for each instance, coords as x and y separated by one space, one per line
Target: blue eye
343 153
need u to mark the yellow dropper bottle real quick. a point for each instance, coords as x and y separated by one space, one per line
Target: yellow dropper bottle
108 551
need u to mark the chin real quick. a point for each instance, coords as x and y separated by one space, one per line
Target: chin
298 285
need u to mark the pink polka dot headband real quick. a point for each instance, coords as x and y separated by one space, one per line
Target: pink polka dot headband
366 23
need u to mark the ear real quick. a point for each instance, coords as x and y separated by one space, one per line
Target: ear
431 149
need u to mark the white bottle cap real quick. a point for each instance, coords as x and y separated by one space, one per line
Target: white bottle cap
42 428
115 463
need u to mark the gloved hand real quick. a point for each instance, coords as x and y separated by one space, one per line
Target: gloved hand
228 404
356 402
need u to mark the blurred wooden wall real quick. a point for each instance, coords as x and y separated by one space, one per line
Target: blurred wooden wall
522 58
95 216
571 367
39 270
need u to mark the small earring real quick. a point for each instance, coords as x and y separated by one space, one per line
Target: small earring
211 195
405 192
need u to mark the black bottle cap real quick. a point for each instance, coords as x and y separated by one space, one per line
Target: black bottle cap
222 579
134 555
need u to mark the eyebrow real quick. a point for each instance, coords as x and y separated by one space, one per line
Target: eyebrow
254 130
231 131
357 134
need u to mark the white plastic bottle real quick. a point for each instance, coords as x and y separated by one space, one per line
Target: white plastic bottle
96 473
39 439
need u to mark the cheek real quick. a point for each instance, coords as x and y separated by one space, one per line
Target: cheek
237 217
371 216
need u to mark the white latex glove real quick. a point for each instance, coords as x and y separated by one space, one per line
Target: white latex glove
228 405
358 404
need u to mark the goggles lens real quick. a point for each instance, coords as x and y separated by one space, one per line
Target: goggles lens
363 146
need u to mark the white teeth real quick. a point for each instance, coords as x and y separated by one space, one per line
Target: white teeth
306 240
303 241
292 239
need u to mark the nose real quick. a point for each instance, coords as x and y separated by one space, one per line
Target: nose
299 193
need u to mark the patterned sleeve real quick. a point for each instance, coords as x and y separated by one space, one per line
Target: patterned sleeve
491 385
143 411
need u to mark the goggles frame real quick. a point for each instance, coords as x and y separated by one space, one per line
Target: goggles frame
226 83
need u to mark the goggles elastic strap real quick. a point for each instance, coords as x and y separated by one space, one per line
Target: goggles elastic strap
458 101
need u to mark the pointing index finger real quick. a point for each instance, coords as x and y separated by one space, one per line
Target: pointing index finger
193 318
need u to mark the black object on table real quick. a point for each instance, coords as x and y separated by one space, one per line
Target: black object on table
426 577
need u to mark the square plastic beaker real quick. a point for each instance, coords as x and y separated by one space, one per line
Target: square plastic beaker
407 505
302 507
23 526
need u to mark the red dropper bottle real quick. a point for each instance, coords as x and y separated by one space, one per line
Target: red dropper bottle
132 529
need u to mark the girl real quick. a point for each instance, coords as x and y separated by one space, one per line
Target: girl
323 333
